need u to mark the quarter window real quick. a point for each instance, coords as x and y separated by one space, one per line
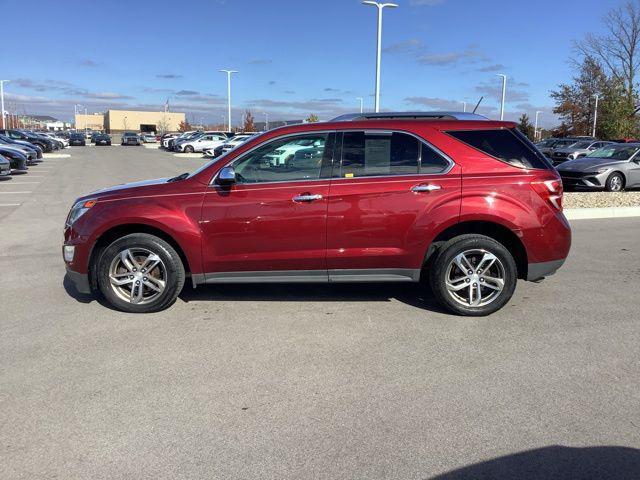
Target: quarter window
366 154
289 159
508 145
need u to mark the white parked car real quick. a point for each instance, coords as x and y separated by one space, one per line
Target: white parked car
230 144
287 152
204 142
63 140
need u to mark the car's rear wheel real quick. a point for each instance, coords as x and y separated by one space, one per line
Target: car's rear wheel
615 182
140 273
188 149
473 275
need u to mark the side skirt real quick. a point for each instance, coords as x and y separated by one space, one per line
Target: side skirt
311 276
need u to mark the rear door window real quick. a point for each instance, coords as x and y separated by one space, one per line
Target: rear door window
507 145
373 154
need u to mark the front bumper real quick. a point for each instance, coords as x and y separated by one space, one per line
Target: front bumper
79 280
584 180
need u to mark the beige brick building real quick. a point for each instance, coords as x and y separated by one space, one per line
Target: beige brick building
118 121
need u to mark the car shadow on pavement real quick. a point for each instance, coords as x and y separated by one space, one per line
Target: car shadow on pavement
555 463
416 295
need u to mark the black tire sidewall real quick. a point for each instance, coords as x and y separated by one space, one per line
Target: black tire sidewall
458 245
170 258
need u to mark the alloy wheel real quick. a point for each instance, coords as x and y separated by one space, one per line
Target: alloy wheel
615 183
475 278
137 275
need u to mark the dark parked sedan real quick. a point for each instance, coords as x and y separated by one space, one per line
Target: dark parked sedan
612 168
17 160
5 167
101 139
77 139
46 144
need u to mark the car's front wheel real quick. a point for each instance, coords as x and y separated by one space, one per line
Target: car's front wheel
140 273
188 149
615 182
473 275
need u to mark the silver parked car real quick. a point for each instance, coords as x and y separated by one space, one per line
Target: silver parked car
613 168
577 150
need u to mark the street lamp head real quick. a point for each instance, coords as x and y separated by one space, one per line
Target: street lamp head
379 5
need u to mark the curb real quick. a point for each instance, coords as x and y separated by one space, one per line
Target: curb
593 213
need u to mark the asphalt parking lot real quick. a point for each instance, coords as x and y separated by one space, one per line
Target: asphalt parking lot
304 381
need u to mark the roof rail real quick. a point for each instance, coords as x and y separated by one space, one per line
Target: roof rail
351 117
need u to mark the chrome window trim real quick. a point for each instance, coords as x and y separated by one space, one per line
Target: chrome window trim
372 131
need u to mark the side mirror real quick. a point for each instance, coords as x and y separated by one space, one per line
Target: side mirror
227 176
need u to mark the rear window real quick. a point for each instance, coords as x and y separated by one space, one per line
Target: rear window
508 145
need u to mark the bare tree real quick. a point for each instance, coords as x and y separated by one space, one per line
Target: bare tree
618 48
163 125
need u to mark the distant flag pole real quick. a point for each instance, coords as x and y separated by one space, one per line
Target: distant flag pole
166 105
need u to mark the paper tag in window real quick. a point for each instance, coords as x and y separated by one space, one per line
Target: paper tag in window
348 175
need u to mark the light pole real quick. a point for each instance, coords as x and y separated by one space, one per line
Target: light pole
266 121
85 121
75 112
4 118
595 116
535 129
380 7
229 73
464 106
361 103
504 92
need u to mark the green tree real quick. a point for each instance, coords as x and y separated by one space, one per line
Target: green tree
575 101
525 126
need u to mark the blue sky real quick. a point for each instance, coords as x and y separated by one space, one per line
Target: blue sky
295 57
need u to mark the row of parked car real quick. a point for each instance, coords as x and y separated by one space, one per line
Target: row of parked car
20 149
210 143
591 164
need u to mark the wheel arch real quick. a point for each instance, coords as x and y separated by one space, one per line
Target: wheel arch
622 174
110 235
494 230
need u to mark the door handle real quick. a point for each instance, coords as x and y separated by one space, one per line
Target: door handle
307 197
430 187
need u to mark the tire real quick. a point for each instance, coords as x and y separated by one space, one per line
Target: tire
614 183
188 149
161 285
493 295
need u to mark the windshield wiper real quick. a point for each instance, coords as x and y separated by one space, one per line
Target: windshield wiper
182 176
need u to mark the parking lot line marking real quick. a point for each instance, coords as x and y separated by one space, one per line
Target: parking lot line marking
8 193
10 204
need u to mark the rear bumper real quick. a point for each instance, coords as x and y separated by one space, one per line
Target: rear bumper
537 271
79 280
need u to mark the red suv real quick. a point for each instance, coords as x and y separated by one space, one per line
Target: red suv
466 203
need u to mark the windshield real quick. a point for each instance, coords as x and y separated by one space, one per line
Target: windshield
582 145
615 152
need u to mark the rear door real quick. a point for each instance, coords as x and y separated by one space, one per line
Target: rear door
388 192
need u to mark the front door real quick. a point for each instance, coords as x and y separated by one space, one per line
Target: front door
271 224
389 191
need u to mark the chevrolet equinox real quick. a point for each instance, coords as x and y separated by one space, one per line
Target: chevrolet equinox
466 204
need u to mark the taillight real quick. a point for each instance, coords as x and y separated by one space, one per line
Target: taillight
550 190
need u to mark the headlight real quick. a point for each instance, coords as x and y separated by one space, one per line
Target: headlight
603 170
79 209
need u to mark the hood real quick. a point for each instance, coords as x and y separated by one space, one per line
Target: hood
142 185
13 149
588 164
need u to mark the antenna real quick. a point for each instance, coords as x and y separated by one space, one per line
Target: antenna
478 104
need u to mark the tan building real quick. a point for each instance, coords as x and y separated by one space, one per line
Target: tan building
94 121
118 121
